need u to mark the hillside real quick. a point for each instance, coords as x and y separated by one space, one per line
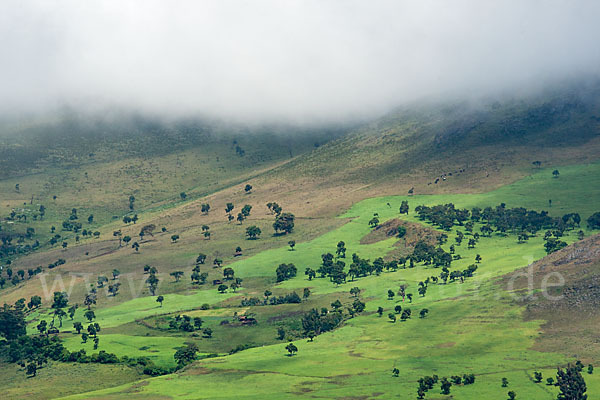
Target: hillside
349 191
571 311
462 147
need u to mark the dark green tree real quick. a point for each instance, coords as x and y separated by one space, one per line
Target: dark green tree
253 232
292 349
570 384
185 355
284 223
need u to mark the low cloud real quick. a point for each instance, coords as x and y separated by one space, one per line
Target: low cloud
292 61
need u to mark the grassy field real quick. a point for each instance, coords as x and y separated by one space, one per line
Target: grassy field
474 327
334 181
58 379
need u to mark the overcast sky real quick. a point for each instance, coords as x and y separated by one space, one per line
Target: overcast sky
283 59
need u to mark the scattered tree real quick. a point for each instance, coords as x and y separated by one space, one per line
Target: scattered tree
185 355
253 232
571 384
292 349
177 275
284 223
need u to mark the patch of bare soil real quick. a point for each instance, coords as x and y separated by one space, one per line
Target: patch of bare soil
414 233
571 310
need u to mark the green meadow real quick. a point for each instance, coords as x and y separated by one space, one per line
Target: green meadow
472 327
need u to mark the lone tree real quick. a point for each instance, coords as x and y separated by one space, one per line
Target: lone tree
114 289
570 384
248 188
404 207
89 315
445 386
60 301
160 300
152 282
240 218
292 244
555 173
246 210
291 348
284 223
374 222
341 249
174 238
253 232
306 293
177 275
185 355
285 272
228 273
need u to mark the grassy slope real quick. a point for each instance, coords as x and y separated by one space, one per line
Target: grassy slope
153 167
59 379
494 144
473 327
386 158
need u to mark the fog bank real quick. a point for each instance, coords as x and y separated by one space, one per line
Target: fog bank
291 61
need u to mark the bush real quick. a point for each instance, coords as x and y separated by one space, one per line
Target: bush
594 221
